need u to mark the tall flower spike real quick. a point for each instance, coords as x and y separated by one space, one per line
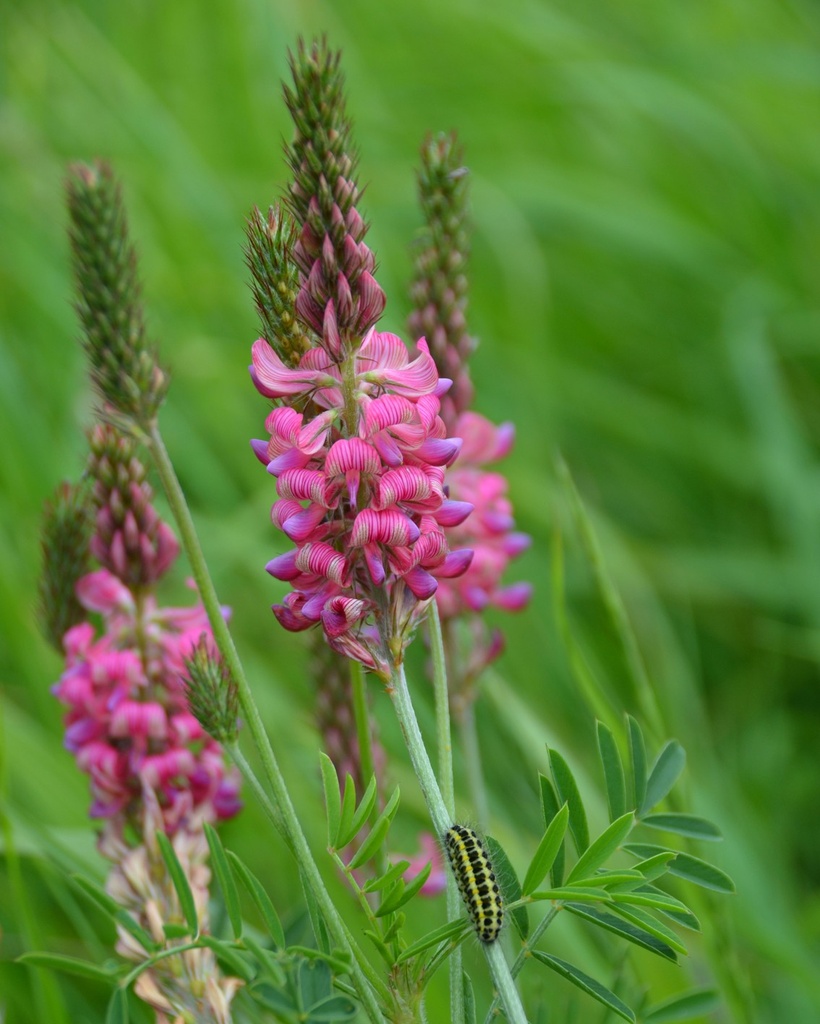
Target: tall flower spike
356 445
269 255
439 295
339 298
130 539
439 289
65 537
124 370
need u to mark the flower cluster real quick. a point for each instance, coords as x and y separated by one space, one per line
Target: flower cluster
128 723
365 502
490 530
439 294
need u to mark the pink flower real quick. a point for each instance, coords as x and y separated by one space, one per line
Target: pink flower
489 531
127 721
364 501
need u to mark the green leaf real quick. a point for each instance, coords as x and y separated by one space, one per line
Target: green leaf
682 1008
265 958
117 1010
230 957
347 834
180 881
609 879
377 834
665 773
603 847
469 999
453 931
637 757
403 892
315 982
693 869
260 898
684 825
69 965
567 791
333 800
651 924
551 807
585 983
654 867
332 1009
547 851
625 929
572 892
347 813
508 884
658 900
317 920
395 927
225 880
272 998
110 906
383 881
613 772
381 947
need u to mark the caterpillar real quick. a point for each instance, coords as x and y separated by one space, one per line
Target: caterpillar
476 881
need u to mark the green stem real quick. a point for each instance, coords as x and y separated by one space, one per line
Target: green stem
362 719
524 953
465 720
284 817
445 768
503 979
437 809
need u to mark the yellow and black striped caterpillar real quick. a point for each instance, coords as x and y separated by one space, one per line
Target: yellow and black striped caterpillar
476 881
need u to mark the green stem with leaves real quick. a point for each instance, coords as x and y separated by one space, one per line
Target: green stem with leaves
283 813
420 759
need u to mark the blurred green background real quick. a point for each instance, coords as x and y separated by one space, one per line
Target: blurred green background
646 260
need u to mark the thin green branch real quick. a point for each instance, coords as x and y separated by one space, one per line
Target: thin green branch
445 766
437 809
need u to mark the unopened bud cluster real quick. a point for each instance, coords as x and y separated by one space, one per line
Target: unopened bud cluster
124 369
65 539
130 539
